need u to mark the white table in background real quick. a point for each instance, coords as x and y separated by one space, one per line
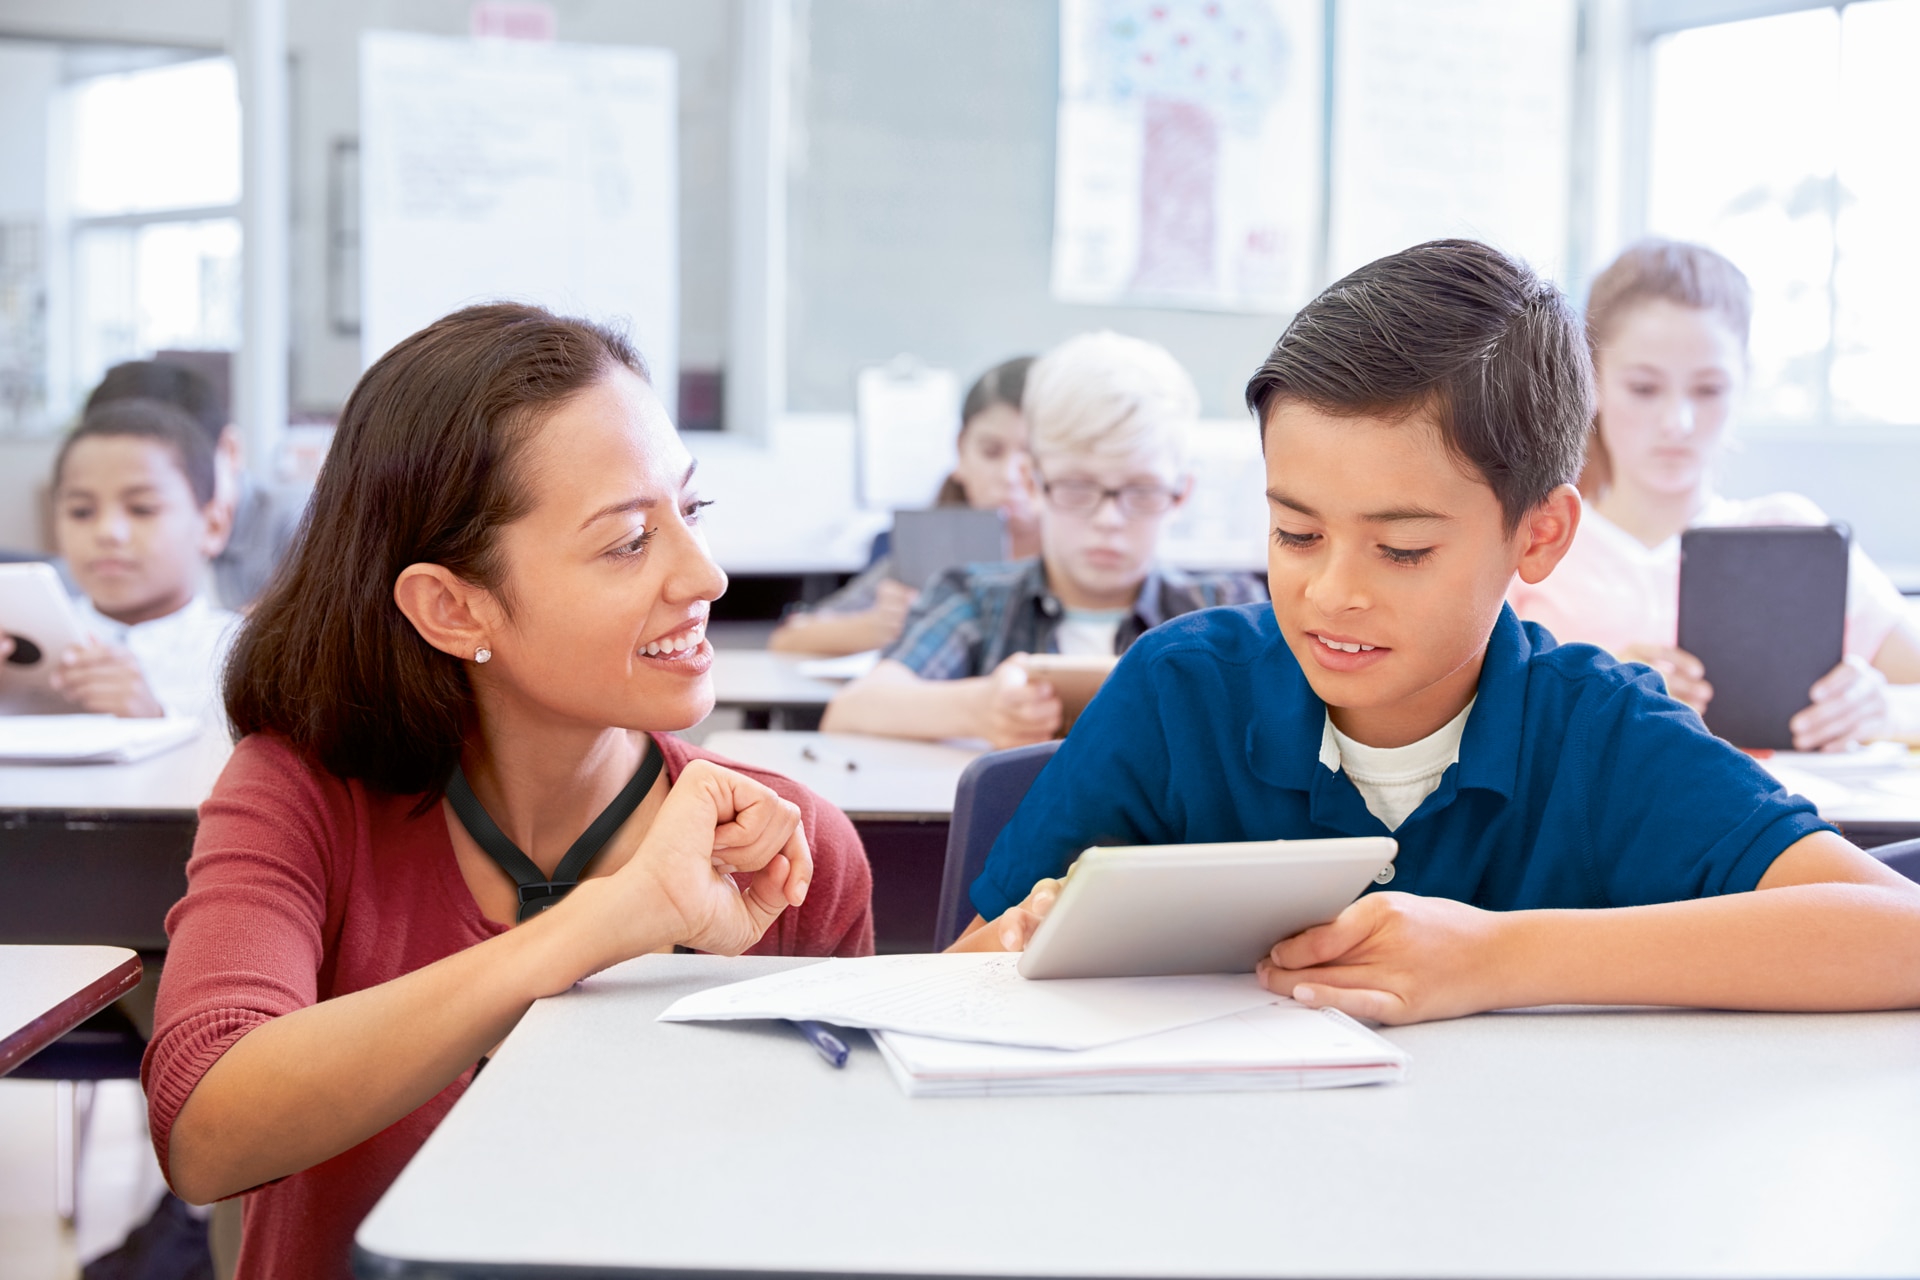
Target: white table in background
1873 795
759 683
1605 1143
97 853
869 778
46 992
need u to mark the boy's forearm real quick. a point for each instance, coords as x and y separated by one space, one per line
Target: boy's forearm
909 707
1800 947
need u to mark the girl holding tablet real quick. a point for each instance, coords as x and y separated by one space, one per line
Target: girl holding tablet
454 702
1668 326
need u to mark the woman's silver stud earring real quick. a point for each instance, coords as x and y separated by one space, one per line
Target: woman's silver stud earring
481 655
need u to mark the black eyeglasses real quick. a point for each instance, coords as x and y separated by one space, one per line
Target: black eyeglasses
1083 497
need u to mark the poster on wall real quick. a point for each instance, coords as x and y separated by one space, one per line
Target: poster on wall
512 169
1189 167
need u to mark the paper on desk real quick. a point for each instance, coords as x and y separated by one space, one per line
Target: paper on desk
90 739
975 997
846 667
1279 1045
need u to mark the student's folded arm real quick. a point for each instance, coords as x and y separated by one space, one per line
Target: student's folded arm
893 700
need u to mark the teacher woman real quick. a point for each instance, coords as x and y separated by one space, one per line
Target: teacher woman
453 703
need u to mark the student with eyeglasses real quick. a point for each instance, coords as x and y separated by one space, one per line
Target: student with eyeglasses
1109 418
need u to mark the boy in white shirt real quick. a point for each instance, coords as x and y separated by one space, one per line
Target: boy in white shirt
137 522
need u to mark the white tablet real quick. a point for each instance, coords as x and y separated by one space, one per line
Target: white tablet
1142 910
35 611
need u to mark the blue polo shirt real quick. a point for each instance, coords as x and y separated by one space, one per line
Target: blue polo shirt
1579 783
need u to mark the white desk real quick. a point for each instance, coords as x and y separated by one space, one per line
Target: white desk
1612 1143
173 782
97 853
869 778
46 992
756 680
1872 795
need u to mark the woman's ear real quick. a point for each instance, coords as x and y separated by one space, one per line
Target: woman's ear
1546 532
451 614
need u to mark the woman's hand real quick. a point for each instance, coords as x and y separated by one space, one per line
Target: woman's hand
1393 957
106 680
680 883
1850 705
1685 676
1017 711
1013 928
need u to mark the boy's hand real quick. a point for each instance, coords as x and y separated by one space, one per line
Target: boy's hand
106 680
1393 958
1685 676
1849 706
1013 928
1018 711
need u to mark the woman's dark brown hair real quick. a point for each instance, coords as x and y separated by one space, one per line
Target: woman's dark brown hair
422 470
1457 330
1004 384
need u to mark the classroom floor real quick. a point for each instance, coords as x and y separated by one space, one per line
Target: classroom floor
119 1189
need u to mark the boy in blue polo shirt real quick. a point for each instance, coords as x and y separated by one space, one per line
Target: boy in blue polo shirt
1568 833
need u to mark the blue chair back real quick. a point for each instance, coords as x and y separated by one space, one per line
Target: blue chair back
990 790
1903 857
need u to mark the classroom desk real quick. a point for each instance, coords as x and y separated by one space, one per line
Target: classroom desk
46 992
1606 1143
1873 795
97 853
899 795
764 684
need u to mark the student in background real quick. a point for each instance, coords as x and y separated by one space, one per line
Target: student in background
136 521
1668 327
1110 417
868 612
262 520
1568 834
499 604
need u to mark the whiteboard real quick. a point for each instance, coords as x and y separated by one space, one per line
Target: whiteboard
1452 120
507 169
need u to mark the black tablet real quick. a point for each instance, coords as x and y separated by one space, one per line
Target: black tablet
927 542
1765 611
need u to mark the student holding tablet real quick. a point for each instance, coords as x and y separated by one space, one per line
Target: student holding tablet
1668 327
456 702
1566 832
136 519
1110 417
990 475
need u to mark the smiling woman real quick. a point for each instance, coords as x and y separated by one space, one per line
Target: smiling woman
455 704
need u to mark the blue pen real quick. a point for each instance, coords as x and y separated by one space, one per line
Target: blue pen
830 1046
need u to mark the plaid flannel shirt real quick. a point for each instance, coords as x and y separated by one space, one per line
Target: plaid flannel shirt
973 617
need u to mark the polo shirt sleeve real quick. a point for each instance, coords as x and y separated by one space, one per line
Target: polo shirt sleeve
1675 812
1100 788
941 637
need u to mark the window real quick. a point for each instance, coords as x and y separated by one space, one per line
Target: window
152 193
1786 142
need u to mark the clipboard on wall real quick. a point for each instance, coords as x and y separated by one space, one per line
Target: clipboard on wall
908 419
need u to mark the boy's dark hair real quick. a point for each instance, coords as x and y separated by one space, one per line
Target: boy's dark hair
1458 330
148 420
175 384
424 468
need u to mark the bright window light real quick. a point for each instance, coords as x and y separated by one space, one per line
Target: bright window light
161 138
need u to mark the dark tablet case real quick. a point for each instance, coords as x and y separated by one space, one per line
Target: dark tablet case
1765 611
926 542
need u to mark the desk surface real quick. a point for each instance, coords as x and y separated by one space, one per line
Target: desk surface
1875 788
756 679
1605 1143
46 992
173 782
890 778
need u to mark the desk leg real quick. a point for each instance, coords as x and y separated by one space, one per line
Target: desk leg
907 859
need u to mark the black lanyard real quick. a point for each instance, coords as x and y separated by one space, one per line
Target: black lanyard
537 893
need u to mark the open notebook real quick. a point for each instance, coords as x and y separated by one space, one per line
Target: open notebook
90 739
